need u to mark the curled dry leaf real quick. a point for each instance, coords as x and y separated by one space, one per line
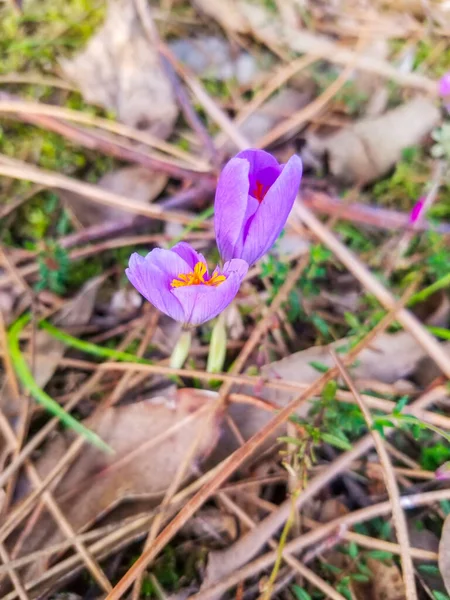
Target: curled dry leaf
131 182
444 554
120 70
47 350
150 440
366 150
213 524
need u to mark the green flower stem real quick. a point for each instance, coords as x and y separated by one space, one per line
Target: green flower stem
29 383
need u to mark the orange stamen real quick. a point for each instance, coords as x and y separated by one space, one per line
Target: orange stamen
197 277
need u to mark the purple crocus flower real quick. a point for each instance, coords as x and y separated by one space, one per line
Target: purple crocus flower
254 197
177 282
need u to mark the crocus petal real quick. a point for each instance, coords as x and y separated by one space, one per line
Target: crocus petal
202 303
264 168
259 160
169 262
230 206
154 284
272 214
188 254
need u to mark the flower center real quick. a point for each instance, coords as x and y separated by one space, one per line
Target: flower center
197 277
259 191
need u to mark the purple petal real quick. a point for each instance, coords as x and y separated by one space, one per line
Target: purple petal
202 303
154 283
188 254
272 214
168 262
264 169
259 160
230 206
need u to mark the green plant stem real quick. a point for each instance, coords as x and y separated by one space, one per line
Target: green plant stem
400 418
441 283
440 332
282 543
195 223
29 383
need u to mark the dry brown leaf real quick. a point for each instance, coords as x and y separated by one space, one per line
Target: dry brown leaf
254 18
120 70
391 357
275 110
387 582
96 481
212 57
47 350
444 554
367 149
226 12
212 523
133 182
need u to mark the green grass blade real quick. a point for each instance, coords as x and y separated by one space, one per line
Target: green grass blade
195 223
91 348
29 383
100 351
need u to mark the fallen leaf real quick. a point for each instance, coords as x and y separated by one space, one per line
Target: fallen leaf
212 524
133 182
444 554
212 57
120 70
368 149
387 582
263 24
275 110
390 357
47 350
227 13
124 303
147 456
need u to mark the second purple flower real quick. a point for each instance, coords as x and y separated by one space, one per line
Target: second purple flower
254 197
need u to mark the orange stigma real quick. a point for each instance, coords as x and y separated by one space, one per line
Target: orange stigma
259 191
197 277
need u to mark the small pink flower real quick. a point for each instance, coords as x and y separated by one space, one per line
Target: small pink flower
443 472
444 85
417 209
